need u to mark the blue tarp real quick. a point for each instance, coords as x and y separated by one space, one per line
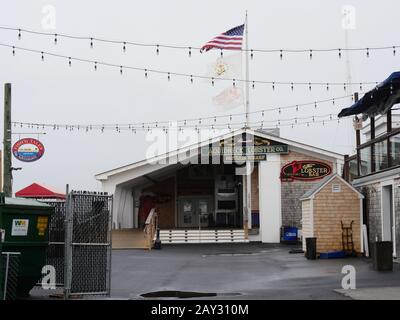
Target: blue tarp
378 100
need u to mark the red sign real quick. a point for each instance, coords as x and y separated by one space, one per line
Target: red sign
305 170
28 150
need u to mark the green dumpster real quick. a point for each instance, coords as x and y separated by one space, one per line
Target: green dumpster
25 229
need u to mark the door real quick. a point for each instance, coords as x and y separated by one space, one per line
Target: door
194 212
388 216
187 213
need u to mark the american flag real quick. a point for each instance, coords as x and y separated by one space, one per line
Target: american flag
229 40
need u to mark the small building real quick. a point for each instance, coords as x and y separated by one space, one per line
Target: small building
375 167
328 206
200 196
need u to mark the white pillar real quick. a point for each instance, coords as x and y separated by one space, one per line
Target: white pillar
270 198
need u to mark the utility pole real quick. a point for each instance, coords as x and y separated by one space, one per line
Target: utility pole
7 174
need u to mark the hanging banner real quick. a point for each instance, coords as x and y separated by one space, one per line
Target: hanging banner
28 150
305 170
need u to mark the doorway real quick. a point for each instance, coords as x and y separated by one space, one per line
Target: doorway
195 211
388 216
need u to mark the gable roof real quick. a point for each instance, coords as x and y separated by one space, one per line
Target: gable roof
173 154
318 187
37 190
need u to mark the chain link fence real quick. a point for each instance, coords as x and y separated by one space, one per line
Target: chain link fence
80 243
9 264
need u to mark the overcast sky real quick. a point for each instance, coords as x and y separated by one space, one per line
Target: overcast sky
51 92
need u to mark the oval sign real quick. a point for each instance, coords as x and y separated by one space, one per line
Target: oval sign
28 150
305 170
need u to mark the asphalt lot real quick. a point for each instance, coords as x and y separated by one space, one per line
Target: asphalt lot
238 271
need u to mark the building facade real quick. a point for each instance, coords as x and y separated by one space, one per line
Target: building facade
207 189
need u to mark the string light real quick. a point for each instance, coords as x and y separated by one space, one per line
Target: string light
91 42
124 47
42 56
13 51
95 66
191 79
190 52
172 46
55 38
120 70
273 83
222 53
158 50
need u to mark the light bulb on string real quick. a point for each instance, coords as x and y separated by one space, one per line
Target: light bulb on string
191 79
157 49
323 122
291 86
297 108
311 54
340 53
13 51
222 53
190 52
330 117
91 42
253 85
333 101
327 87
95 66
309 86
19 34
281 54
367 52
344 87
361 86
315 105
212 82
120 70
42 56
124 47
233 82
279 111
55 38
69 61
394 50
251 54
273 85
145 73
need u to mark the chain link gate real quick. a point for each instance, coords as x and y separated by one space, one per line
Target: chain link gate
80 243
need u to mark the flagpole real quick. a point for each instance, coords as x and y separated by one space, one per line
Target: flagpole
247 99
247 179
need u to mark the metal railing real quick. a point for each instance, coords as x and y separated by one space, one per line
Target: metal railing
150 228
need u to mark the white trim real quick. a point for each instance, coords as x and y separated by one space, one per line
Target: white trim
361 226
175 154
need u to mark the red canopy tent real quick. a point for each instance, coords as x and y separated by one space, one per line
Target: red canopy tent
39 191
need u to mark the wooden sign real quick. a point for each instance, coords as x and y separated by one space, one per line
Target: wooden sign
305 170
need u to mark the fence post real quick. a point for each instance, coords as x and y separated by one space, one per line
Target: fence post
68 245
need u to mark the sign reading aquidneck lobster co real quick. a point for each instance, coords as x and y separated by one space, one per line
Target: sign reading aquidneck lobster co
28 150
305 170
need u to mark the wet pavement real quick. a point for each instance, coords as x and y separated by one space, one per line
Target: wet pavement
238 271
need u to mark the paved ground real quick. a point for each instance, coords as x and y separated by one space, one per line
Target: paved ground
255 271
